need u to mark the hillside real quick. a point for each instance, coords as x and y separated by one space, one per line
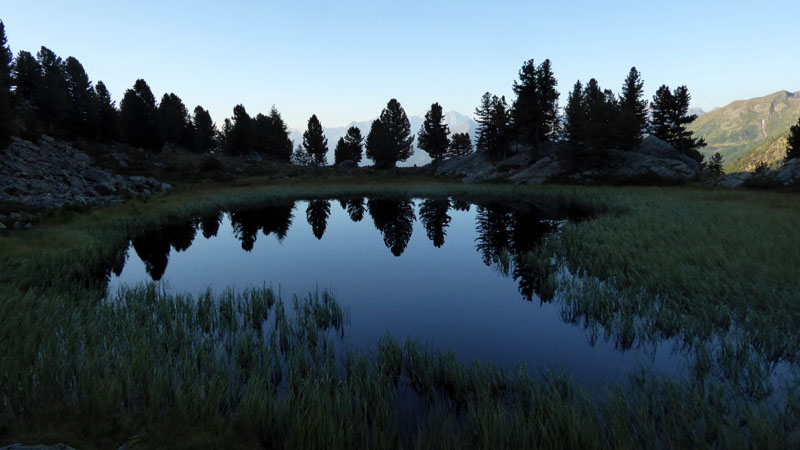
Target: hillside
739 128
770 152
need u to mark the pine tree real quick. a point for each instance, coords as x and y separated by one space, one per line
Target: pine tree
241 134
175 120
793 142
601 113
535 110
315 142
548 102
355 144
715 165
395 121
493 126
433 134
52 100
380 145
279 146
204 130
670 119
341 152
80 120
575 117
6 59
633 111
106 114
6 115
139 117
27 74
460 145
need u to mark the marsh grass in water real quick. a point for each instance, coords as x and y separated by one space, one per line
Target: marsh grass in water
240 369
714 270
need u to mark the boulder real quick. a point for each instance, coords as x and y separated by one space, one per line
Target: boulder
346 164
543 170
788 174
642 167
732 180
473 167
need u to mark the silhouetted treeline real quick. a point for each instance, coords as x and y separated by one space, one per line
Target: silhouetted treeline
595 119
45 94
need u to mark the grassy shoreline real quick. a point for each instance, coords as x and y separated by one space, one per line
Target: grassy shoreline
659 262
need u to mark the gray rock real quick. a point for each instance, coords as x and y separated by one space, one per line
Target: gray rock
473 167
541 171
2 227
732 180
346 164
37 447
28 226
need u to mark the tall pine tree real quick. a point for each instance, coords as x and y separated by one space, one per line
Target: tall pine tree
204 130
315 142
535 110
575 117
433 135
279 146
52 100
240 135
139 117
106 114
5 90
670 120
460 145
380 146
633 112
175 120
80 120
493 126
355 144
27 74
395 121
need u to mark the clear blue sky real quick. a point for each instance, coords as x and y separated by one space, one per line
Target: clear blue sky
344 60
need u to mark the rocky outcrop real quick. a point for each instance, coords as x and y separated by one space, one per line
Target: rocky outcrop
786 176
653 161
53 173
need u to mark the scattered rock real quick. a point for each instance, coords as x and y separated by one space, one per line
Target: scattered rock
53 173
653 161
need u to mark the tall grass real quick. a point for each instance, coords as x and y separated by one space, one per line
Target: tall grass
214 372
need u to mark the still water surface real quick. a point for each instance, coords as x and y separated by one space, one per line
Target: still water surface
441 271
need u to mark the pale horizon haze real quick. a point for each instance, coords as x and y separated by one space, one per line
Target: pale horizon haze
344 60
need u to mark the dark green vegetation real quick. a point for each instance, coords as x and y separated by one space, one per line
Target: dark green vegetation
743 129
433 134
793 142
716 271
770 154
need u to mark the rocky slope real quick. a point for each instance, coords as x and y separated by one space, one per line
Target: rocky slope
52 173
653 161
782 177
